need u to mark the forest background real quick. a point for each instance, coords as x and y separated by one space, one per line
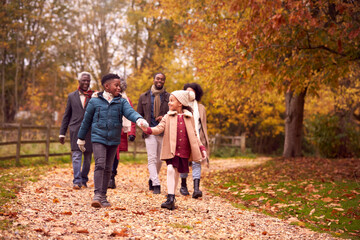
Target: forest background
284 72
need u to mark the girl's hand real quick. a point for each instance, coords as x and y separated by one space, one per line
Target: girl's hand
204 154
144 129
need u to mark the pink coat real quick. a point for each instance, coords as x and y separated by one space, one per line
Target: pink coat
168 125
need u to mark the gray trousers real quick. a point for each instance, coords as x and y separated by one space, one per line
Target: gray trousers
104 159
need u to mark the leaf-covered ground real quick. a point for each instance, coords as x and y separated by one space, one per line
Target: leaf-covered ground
51 209
322 194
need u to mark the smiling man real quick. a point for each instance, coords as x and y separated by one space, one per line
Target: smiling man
153 105
74 113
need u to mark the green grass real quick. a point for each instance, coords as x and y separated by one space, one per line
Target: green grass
321 194
232 152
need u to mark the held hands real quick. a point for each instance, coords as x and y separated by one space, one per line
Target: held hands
142 123
81 145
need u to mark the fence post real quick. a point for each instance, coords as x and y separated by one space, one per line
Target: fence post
242 142
47 148
18 144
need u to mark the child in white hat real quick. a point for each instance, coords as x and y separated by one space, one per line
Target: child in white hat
180 142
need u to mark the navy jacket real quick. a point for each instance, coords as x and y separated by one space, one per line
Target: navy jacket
105 119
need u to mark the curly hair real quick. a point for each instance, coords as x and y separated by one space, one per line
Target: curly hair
109 76
197 88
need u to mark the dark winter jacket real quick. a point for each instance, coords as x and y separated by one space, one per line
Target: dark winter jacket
105 119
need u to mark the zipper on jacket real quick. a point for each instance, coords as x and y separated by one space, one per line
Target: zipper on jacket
98 115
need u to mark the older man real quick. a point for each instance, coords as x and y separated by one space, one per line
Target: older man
73 116
153 105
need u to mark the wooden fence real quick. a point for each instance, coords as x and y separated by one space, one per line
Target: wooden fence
219 141
49 135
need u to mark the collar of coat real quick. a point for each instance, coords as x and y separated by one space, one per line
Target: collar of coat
186 113
100 95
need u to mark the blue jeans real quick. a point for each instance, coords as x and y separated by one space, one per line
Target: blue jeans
81 175
196 171
104 158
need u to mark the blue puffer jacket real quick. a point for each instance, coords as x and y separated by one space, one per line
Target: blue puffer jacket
105 119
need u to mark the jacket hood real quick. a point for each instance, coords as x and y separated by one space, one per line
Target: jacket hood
187 113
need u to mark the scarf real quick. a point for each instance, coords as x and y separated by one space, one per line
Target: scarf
87 94
157 100
108 96
194 105
125 122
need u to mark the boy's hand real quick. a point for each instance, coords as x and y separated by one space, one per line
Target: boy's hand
142 123
81 145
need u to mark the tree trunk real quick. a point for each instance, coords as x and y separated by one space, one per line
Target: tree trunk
3 86
294 123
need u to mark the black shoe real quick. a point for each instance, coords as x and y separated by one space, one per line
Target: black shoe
184 190
197 193
157 189
151 187
112 183
170 202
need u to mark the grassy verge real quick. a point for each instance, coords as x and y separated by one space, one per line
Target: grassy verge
320 194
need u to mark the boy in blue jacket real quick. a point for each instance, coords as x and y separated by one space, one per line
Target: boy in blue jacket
104 116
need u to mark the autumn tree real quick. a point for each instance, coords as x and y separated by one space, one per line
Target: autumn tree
294 47
28 34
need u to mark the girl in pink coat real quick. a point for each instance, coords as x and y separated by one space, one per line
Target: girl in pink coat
180 142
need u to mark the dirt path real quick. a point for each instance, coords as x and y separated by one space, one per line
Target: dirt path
51 209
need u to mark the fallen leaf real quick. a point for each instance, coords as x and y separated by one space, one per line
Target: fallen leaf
83 230
264 233
327 199
138 212
122 233
311 212
55 200
120 208
66 213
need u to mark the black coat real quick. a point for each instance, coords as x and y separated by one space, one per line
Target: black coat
73 116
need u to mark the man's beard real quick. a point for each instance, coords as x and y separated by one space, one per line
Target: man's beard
157 88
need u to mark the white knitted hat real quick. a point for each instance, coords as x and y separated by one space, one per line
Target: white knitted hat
184 97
